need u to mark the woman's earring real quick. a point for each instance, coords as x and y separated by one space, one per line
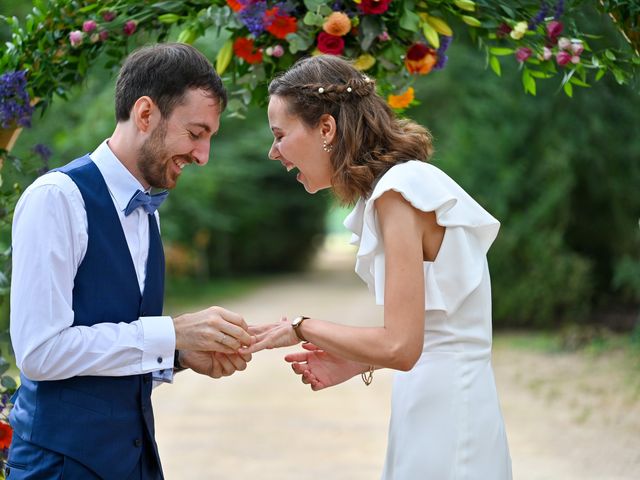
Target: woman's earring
327 147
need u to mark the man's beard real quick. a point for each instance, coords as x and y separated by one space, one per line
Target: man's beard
153 159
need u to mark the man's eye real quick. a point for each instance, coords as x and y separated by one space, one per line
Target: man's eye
193 135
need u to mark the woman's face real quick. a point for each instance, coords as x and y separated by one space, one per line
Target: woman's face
297 146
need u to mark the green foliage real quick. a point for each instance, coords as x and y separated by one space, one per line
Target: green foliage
561 175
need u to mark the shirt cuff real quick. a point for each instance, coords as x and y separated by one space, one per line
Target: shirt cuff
159 343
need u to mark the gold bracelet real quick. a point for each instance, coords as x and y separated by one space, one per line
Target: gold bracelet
367 377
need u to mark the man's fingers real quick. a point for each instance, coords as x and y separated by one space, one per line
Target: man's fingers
237 361
231 317
237 335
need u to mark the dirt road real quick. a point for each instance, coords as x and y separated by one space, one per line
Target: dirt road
567 418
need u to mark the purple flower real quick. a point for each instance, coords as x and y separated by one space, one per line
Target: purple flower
540 16
15 104
89 26
75 38
445 41
42 151
252 16
559 9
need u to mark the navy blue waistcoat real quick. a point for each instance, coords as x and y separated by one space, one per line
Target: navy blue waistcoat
102 422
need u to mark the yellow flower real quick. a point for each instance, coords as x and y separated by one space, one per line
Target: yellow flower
338 24
519 30
399 102
364 62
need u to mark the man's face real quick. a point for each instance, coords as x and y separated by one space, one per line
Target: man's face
182 139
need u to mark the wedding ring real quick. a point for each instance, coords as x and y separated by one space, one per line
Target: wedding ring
222 338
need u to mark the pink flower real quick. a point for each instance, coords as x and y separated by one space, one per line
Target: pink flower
562 58
554 28
384 36
89 26
577 48
75 38
523 53
575 59
104 35
564 43
546 53
108 16
130 27
278 51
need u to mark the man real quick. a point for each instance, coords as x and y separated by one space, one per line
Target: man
88 283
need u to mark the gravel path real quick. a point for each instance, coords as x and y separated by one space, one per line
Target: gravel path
566 418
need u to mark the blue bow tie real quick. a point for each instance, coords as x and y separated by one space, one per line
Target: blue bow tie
150 203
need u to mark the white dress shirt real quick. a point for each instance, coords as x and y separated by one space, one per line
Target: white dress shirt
49 243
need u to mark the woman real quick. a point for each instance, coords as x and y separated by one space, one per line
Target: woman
422 251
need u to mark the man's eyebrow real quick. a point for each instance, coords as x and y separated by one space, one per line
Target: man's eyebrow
204 126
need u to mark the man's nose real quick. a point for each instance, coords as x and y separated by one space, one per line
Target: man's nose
201 152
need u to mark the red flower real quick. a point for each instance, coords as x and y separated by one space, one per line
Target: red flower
130 27
330 44
5 435
420 58
235 5
279 24
374 7
246 50
523 53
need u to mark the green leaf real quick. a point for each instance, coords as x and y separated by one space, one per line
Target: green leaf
619 76
495 65
8 383
313 19
409 21
600 73
431 35
501 51
568 89
578 82
224 57
609 54
529 82
313 5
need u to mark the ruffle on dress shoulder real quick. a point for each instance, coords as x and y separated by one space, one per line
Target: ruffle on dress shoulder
470 230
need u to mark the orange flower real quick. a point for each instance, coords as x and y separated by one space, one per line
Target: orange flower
279 24
5 435
420 58
338 24
401 101
245 49
235 5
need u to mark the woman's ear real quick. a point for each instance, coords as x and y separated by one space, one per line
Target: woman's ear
328 127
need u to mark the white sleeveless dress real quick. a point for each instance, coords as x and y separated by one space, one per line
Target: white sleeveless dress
446 422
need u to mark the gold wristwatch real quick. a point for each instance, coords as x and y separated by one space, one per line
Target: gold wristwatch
295 323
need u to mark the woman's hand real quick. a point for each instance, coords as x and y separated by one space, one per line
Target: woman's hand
321 369
273 335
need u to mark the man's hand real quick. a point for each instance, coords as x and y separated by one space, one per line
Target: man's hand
214 329
214 364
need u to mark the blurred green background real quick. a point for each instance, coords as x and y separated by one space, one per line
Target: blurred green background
562 175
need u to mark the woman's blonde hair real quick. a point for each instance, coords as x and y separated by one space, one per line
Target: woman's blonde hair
369 140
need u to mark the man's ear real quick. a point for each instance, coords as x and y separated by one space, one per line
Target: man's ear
328 127
145 114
